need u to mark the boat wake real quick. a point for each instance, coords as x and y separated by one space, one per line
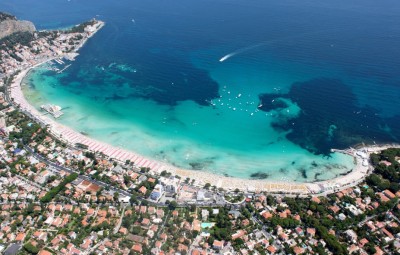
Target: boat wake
269 42
243 50
226 57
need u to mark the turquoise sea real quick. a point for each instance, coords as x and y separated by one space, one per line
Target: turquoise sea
251 89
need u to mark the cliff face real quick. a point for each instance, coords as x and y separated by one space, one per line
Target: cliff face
10 25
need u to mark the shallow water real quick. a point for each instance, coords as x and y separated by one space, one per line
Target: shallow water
287 91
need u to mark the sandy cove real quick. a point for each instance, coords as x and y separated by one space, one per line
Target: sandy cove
72 137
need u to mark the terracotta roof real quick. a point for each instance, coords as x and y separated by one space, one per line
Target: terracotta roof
271 249
44 252
316 200
218 244
137 248
266 215
298 250
389 194
20 237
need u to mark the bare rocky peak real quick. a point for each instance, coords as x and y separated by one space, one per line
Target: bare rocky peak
10 25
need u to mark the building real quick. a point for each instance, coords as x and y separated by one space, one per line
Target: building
157 193
204 214
118 169
170 184
218 245
124 199
351 235
204 195
12 249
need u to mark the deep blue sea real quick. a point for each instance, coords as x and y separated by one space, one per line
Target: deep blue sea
252 89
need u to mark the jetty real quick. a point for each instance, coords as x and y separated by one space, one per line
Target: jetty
54 110
59 61
62 70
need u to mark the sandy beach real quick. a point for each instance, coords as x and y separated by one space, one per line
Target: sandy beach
70 136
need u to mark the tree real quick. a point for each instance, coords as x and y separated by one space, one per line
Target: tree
116 196
133 199
54 191
172 205
30 248
136 230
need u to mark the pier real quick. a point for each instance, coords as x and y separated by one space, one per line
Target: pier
54 110
62 70
59 61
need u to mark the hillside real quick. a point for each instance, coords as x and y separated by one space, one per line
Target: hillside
10 25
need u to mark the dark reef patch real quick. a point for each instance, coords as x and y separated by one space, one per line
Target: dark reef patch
316 176
303 173
326 102
284 170
271 102
259 175
196 165
115 97
199 165
167 79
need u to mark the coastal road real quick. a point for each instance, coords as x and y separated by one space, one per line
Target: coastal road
58 168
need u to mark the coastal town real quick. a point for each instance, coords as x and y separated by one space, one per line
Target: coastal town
63 193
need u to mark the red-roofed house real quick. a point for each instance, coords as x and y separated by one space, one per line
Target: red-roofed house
137 248
218 245
266 215
316 200
311 232
20 237
389 194
298 250
143 190
45 252
271 249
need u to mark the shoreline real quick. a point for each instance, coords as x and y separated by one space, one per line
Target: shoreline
70 136
66 134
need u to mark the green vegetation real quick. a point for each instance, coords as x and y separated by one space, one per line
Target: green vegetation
81 27
234 198
331 241
5 16
30 248
54 191
27 131
222 230
283 222
23 38
385 177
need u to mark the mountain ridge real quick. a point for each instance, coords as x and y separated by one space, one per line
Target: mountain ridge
10 25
